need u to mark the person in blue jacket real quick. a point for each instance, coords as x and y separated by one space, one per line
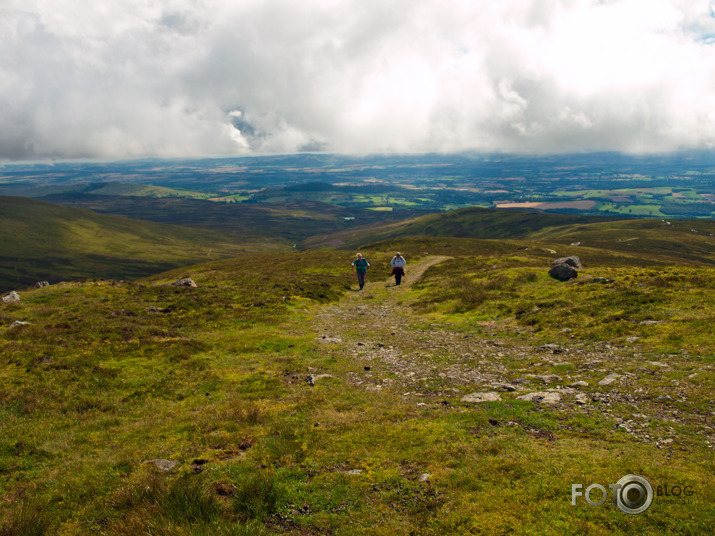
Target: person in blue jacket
361 265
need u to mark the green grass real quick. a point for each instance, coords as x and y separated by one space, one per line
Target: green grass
108 376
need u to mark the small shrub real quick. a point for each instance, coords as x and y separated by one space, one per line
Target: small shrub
27 520
145 491
188 500
530 277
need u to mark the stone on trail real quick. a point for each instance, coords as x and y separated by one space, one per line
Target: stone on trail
549 346
580 383
608 380
325 338
481 397
546 378
543 397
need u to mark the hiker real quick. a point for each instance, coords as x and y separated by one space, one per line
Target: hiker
361 265
398 263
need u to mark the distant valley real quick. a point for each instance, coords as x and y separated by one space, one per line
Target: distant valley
680 185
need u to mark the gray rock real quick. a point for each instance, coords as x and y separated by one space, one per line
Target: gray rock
481 397
549 346
186 282
546 378
424 477
325 338
312 378
11 298
582 398
353 472
18 323
592 364
41 284
563 272
572 261
580 383
608 380
505 387
163 465
543 397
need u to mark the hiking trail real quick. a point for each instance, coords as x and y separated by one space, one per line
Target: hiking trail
384 345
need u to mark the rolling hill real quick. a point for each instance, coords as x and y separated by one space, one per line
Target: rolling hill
689 240
293 220
471 222
48 242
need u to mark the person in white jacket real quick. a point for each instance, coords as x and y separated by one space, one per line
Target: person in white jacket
398 263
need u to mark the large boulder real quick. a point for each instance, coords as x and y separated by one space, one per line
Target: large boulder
186 282
571 261
563 272
11 298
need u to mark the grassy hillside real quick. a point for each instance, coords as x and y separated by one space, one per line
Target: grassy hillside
47 242
144 408
39 189
680 239
293 220
471 222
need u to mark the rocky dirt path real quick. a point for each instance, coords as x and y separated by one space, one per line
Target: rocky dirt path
389 347
392 347
378 330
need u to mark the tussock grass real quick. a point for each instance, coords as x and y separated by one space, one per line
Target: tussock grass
28 519
257 496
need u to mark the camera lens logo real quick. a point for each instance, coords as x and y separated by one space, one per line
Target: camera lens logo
633 494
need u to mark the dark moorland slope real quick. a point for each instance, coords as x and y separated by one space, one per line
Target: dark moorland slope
43 241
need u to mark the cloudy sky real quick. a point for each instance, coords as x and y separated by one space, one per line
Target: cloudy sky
134 78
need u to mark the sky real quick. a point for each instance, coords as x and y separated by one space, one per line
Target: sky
119 79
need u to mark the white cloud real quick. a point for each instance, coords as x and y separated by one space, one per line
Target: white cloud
133 78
